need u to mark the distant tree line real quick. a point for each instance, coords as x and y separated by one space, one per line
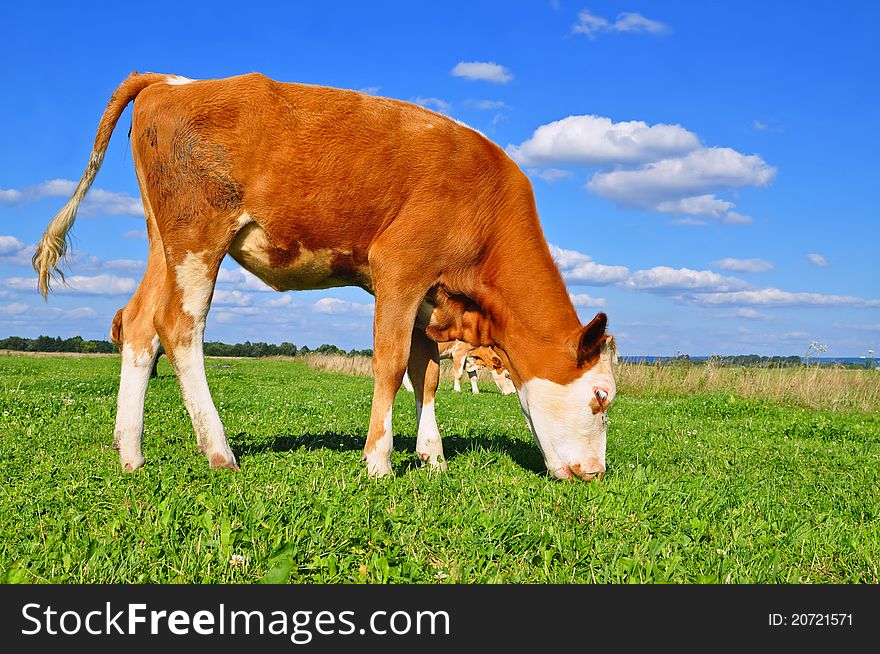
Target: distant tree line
56 344
212 348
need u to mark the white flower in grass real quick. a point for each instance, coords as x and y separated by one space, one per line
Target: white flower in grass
237 561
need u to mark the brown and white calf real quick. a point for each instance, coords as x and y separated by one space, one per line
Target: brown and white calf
470 358
310 187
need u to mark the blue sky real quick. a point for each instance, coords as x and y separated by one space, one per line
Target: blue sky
705 172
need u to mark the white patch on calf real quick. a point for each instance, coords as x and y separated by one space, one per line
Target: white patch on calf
429 446
189 363
379 458
195 281
133 380
178 80
571 437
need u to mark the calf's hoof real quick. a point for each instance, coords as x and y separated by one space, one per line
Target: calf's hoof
131 463
223 461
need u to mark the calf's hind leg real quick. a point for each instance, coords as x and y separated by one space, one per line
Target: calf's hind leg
180 322
138 343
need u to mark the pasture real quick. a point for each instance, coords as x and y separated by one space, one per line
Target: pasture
703 486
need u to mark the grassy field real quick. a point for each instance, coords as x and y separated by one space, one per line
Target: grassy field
702 487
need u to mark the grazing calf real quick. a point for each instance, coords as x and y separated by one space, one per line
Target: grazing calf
310 187
470 358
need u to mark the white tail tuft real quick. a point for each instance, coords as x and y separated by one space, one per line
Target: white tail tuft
53 245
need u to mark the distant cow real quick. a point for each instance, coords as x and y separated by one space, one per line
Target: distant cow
310 187
470 358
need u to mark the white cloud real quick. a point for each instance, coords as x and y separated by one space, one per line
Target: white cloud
598 141
486 105
18 313
231 298
332 305
629 21
51 188
231 314
13 251
744 312
775 297
681 184
10 196
665 278
132 266
240 279
370 90
136 233
14 308
482 70
282 301
743 265
579 268
433 103
683 177
79 285
583 300
98 202
697 205
592 25
818 260
550 174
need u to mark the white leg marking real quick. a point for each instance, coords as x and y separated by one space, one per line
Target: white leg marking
429 446
379 460
133 380
190 366
474 388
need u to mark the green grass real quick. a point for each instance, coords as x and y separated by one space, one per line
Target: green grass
700 489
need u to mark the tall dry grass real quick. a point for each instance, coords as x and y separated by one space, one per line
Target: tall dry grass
825 387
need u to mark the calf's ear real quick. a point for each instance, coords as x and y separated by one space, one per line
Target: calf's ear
590 339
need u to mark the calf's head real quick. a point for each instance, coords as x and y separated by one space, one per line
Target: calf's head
568 418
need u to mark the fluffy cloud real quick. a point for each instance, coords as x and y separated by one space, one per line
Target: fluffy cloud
579 268
667 279
818 260
584 300
231 298
592 25
98 202
683 178
79 285
659 167
332 305
485 105
433 103
18 313
598 141
13 251
240 279
774 297
743 265
550 174
136 233
480 70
